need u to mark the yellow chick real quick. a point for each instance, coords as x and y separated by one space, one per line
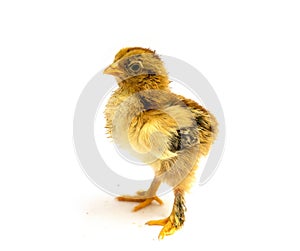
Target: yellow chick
165 130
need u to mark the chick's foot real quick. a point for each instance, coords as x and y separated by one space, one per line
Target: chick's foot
176 219
170 225
141 197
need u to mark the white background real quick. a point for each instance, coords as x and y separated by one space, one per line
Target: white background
250 53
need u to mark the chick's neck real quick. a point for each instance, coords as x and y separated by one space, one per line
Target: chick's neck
144 82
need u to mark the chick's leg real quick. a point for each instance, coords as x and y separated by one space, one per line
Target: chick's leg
144 197
176 219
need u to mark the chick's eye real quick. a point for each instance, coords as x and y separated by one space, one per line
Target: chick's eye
135 67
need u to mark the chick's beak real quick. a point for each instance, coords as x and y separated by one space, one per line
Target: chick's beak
113 69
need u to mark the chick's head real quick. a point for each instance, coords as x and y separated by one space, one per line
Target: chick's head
137 65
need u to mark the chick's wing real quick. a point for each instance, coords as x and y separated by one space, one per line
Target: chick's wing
160 131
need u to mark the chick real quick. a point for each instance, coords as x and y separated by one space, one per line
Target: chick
165 130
